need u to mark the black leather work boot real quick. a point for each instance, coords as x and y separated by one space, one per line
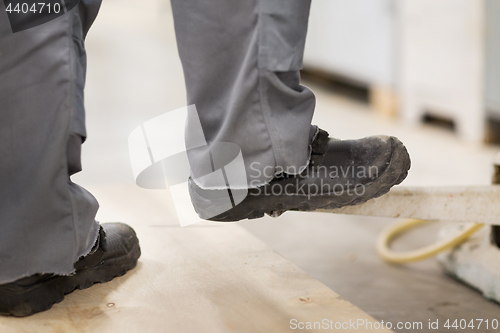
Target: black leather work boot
116 251
340 173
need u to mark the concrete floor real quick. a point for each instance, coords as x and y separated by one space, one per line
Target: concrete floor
134 74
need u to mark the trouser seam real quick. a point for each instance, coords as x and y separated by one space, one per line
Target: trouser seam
271 130
71 114
74 14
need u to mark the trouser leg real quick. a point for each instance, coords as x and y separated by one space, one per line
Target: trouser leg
241 63
46 221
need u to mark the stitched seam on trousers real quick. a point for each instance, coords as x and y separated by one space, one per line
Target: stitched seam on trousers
71 103
75 16
269 124
262 95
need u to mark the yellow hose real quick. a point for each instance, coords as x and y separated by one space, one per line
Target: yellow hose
390 233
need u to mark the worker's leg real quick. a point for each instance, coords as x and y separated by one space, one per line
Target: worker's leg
241 64
46 221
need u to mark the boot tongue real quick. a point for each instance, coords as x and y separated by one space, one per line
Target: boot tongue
95 255
101 240
320 142
100 243
319 146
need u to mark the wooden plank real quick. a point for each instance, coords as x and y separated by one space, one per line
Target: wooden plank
458 204
384 100
204 278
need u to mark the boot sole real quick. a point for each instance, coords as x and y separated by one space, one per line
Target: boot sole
257 206
22 301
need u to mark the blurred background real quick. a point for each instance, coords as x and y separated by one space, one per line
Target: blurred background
426 71
419 60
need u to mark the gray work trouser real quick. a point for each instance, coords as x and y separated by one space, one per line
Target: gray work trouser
46 221
241 63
